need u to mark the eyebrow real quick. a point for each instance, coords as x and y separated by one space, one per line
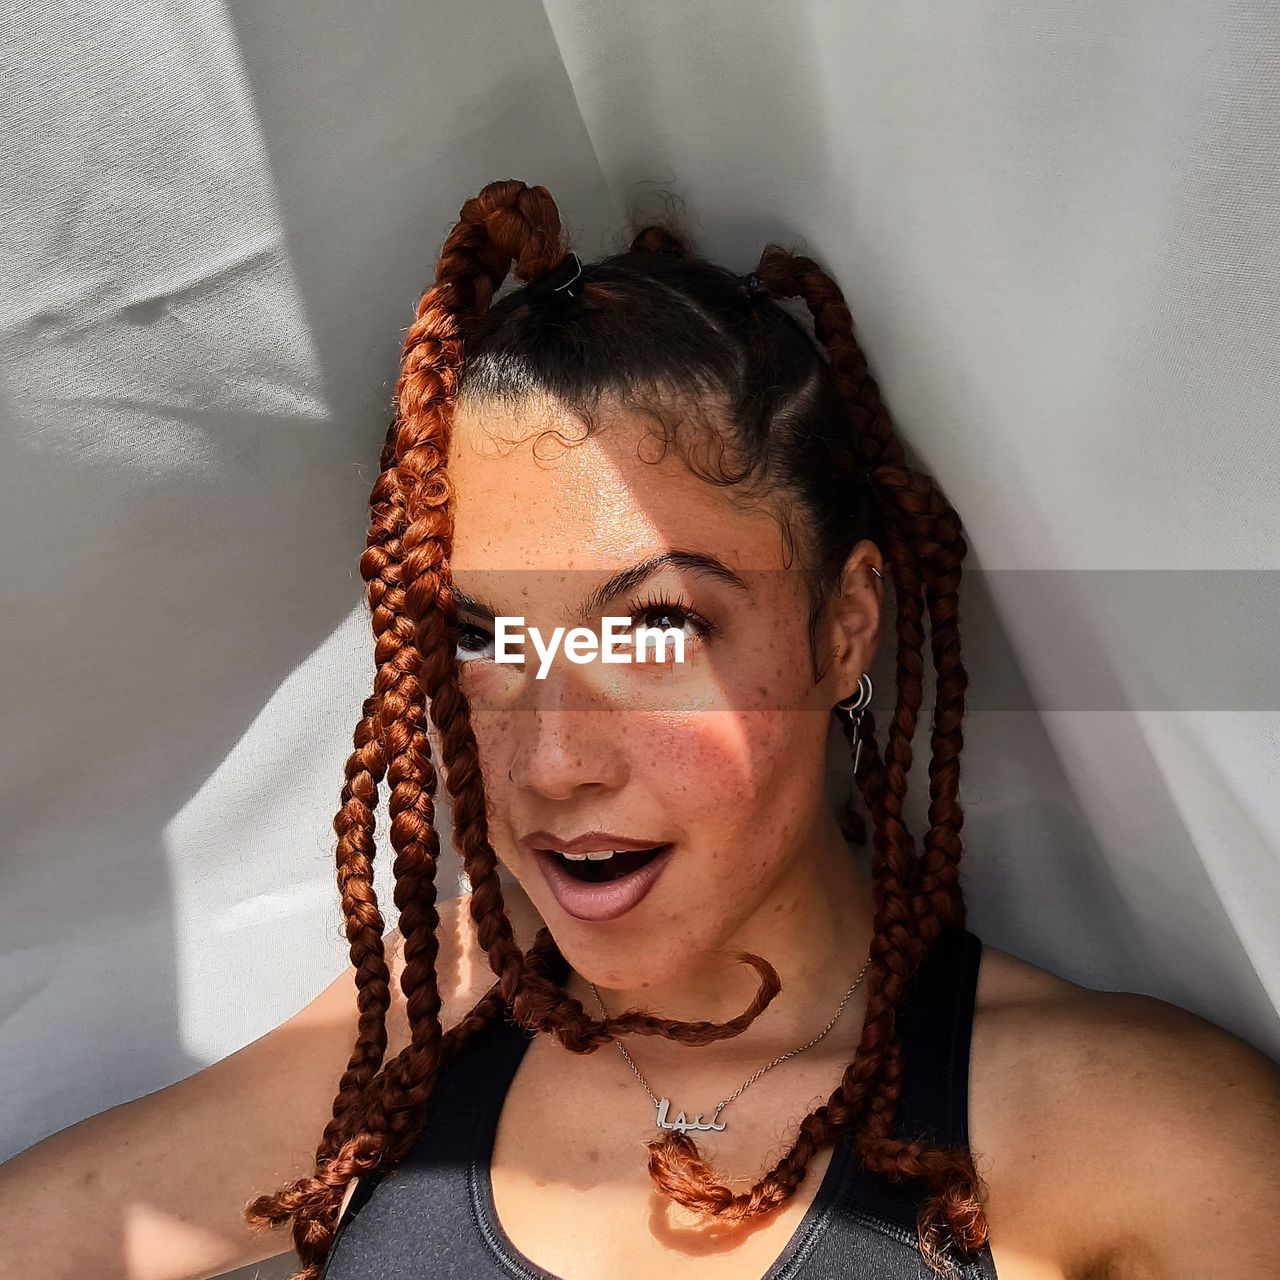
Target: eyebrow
624 581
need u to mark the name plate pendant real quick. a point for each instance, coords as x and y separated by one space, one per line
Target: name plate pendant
680 1123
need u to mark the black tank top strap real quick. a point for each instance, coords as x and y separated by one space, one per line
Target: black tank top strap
934 1024
466 1102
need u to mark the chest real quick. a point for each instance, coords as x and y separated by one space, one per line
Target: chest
576 1199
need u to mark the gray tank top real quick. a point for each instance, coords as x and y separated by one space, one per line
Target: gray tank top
431 1217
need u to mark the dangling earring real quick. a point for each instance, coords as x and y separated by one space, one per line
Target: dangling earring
854 706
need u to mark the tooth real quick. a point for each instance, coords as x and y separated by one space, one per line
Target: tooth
575 857
601 855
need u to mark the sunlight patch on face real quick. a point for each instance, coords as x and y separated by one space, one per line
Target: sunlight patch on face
533 490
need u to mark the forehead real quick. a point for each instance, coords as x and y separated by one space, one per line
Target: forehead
533 490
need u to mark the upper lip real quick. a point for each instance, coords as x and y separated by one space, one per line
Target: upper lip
588 842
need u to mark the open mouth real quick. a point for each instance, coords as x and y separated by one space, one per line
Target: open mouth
602 885
599 868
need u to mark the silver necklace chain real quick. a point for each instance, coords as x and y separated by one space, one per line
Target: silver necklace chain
680 1122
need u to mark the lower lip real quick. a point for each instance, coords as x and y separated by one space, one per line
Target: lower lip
607 901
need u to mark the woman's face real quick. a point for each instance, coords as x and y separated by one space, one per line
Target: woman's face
719 759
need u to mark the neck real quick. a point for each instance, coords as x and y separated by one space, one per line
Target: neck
815 930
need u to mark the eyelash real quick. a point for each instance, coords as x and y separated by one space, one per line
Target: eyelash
662 604
659 604
465 628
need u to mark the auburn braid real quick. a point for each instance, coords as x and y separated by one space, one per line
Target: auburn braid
943 550
390 738
936 530
408 529
355 820
474 262
354 824
917 517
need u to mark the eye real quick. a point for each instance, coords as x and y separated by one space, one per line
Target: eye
474 642
663 613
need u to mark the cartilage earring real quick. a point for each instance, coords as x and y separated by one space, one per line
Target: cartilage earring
853 707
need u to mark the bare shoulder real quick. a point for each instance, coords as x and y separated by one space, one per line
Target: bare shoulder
461 966
1107 1121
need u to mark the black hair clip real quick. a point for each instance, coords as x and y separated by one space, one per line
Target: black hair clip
755 287
558 285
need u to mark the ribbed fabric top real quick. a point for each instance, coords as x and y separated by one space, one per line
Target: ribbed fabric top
433 1214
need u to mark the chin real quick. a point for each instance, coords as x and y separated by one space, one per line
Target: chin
620 968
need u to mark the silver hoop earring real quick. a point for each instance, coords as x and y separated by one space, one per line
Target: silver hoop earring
857 702
854 707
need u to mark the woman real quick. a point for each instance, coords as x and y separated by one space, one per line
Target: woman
678 1027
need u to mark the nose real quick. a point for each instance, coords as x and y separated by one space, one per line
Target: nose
563 742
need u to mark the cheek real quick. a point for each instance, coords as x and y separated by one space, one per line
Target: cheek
744 789
720 770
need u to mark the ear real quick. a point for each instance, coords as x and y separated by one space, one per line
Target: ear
851 621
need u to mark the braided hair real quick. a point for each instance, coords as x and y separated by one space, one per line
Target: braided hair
808 422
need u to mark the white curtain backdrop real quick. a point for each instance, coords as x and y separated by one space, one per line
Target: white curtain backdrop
1058 228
